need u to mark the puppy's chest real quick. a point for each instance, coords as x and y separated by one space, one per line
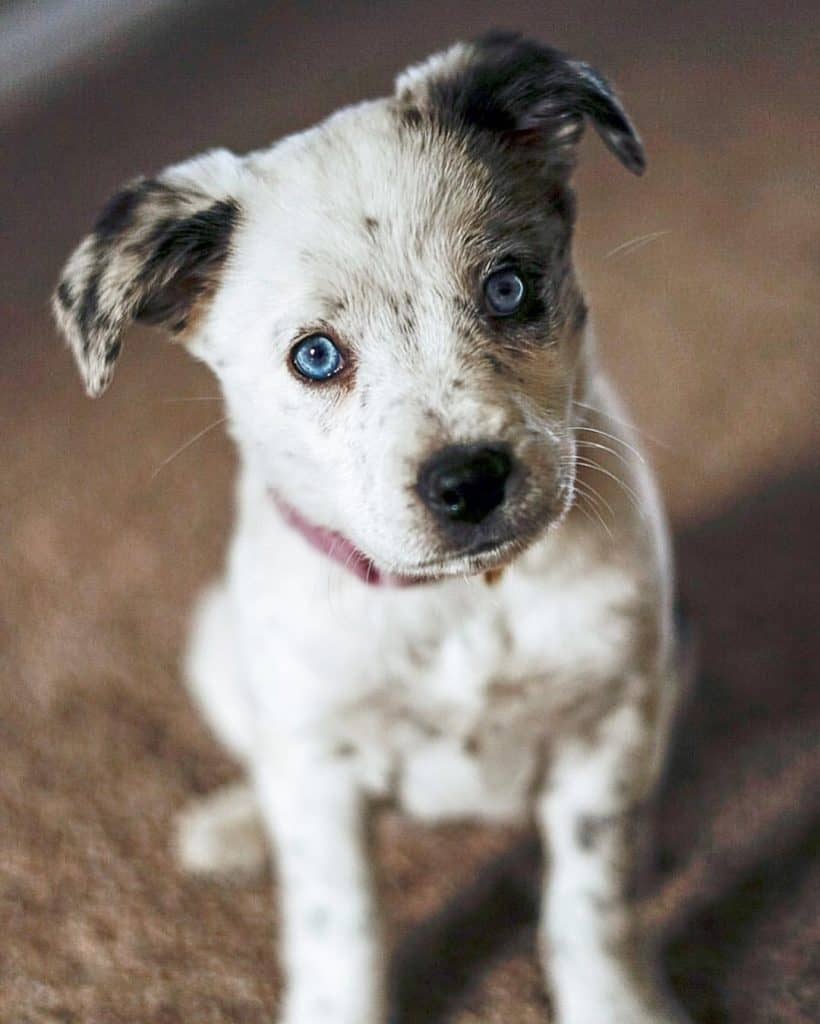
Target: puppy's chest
457 710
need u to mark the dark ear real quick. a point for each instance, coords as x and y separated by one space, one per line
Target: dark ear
154 255
527 93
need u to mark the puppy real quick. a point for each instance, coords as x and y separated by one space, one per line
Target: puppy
449 583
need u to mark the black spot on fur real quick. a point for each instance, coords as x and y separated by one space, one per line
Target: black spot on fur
471 746
88 311
371 225
113 352
118 213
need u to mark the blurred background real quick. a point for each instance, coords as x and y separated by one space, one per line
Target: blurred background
703 280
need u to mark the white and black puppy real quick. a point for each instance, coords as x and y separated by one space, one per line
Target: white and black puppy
449 581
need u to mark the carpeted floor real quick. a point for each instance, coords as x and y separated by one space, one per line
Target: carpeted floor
703 280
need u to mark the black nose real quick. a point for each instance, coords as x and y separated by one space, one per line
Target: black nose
464 483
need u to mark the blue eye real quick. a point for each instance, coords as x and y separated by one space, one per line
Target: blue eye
317 358
504 291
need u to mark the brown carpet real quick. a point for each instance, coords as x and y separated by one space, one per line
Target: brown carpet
709 321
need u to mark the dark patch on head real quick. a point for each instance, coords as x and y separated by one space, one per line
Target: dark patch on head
527 93
457 383
371 226
202 235
184 255
345 749
66 299
140 262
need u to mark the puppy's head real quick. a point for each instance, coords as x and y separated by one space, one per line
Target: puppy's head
387 299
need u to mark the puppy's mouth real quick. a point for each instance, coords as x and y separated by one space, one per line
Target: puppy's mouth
343 551
488 557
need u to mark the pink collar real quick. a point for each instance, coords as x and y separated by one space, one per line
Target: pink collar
343 551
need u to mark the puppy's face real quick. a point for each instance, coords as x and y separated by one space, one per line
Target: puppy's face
387 300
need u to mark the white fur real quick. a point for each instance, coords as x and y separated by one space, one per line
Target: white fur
540 695
400 680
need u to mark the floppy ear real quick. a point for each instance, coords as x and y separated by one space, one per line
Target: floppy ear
154 255
525 92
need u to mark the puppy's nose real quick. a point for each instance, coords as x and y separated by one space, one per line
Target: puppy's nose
464 483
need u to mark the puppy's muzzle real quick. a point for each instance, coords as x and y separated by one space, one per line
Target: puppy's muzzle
465 483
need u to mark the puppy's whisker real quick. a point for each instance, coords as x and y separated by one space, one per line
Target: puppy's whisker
582 493
611 437
604 448
623 422
587 488
191 441
634 244
628 491
571 463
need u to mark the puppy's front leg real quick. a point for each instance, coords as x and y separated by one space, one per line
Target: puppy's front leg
315 813
589 813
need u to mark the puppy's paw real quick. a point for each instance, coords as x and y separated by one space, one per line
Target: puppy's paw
222 834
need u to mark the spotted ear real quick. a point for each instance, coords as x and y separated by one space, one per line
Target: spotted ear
525 92
154 255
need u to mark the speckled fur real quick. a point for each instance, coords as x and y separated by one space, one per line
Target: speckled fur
534 680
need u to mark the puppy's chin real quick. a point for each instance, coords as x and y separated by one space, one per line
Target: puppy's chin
487 556
491 559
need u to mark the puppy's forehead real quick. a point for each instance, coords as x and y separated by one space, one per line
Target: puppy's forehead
364 189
